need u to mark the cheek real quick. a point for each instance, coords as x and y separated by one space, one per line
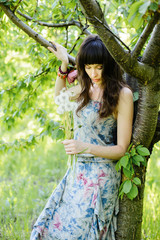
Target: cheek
100 73
87 71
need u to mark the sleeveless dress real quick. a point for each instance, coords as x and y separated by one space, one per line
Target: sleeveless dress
84 205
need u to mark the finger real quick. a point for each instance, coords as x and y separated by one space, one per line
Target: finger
68 153
51 49
66 142
54 45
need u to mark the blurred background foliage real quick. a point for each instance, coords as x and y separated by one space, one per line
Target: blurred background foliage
32 159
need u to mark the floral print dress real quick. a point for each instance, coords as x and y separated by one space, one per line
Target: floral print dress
84 205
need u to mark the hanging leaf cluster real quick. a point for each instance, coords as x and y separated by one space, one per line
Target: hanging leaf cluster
136 155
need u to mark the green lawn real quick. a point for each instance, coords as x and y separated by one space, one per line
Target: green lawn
27 179
151 215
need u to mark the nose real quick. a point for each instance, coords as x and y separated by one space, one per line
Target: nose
93 73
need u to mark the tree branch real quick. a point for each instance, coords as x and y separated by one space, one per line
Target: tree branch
151 55
29 31
145 34
56 25
17 5
106 26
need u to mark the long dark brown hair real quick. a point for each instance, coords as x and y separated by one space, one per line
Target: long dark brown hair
93 51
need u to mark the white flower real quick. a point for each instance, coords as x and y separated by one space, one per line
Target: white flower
61 110
64 97
65 105
57 100
63 90
68 106
74 106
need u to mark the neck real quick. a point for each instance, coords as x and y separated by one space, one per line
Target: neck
96 92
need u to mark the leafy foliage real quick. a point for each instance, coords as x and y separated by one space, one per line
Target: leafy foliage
26 68
136 155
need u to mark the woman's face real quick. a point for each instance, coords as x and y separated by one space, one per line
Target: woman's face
94 71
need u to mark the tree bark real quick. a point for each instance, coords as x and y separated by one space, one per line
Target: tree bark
130 214
151 54
147 115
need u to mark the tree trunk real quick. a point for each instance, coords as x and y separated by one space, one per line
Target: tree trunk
130 215
147 114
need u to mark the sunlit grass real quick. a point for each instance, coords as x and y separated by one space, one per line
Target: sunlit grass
28 178
151 213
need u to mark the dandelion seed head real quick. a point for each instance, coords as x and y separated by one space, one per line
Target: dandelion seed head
74 106
57 100
64 98
63 90
60 110
68 107
65 105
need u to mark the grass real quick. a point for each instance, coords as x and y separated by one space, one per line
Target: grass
151 214
27 179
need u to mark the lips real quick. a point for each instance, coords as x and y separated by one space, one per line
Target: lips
95 80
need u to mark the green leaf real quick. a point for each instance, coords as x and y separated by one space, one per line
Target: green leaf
143 8
121 193
124 161
127 186
143 151
58 134
30 139
144 162
133 192
127 173
153 6
54 4
139 146
136 162
133 10
127 154
135 96
129 147
138 21
133 151
138 158
137 181
121 186
118 166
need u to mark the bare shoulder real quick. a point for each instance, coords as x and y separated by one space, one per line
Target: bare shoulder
125 94
75 91
125 99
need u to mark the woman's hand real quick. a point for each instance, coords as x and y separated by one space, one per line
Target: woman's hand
60 53
74 146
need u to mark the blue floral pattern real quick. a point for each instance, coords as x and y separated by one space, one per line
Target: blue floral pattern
84 205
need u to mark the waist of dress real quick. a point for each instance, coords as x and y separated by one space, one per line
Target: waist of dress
92 158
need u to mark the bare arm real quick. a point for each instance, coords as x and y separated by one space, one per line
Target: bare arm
124 131
61 54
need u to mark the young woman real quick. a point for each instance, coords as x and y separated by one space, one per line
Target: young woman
84 205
